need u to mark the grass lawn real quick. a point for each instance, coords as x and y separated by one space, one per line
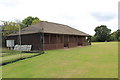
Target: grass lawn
100 60
12 55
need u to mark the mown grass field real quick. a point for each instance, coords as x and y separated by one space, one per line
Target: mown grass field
12 55
100 60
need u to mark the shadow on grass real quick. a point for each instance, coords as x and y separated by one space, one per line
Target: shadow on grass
21 59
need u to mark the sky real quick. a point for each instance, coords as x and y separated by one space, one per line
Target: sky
83 15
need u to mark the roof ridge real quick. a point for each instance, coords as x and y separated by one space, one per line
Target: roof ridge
54 23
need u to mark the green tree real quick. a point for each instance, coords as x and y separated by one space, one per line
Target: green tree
115 35
102 33
118 34
35 21
93 38
8 28
30 20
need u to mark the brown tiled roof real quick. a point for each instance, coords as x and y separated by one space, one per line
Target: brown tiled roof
50 27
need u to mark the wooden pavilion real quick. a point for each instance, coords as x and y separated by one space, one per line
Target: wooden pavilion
55 36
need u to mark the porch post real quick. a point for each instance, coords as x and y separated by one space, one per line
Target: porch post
90 40
49 39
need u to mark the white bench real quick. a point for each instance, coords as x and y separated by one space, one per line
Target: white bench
23 47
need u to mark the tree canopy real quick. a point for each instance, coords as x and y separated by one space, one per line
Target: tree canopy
10 27
115 36
30 20
102 33
35 21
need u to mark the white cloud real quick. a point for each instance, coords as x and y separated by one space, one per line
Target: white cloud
99 16
75 13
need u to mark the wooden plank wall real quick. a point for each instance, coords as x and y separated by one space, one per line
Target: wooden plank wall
72 41
51 41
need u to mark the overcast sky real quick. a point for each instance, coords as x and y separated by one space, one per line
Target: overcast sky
83 15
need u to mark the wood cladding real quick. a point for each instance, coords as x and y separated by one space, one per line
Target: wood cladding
51 41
